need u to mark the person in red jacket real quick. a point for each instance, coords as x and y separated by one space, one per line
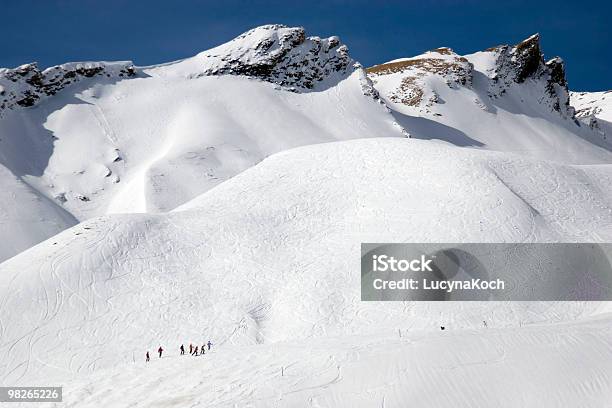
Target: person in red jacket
160 350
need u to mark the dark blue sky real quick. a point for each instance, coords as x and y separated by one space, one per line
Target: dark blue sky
52 32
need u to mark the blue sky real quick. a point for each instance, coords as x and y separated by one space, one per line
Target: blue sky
148 32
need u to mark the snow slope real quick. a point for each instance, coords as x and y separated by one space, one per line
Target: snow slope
595 110
272 256
537 366
96 138
506 98
26 216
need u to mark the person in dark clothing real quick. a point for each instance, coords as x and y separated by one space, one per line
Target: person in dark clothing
195 351
182 350
160 350
203 348
190 348
209 344
148 358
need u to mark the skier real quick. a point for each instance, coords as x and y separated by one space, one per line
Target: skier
182 350
203 348
190 348
160 350
147 360
209 344
195 351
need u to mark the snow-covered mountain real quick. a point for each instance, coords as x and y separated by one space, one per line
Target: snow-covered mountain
507 98
246 178
81 140
86 139
270 256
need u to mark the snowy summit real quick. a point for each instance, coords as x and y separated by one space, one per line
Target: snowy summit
224 198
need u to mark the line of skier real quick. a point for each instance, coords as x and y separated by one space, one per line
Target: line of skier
193 350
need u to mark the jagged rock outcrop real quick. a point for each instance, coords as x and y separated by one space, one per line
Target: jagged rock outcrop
526 58
281 55
525 61
521 70
515 64
557 71
274 53
25 85
556 85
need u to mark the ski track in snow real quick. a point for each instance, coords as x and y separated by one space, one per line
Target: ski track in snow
471 367
273 284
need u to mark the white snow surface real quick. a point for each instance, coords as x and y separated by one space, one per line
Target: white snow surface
593 103
26 216
595 110
266 265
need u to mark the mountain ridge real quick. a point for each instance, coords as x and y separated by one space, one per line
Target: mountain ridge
506 98
274 53
510 65
94 138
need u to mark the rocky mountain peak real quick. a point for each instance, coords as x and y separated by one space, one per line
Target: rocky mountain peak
278 54
411 76
25 85
525 61
274 53
557 71
516 64
527 57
